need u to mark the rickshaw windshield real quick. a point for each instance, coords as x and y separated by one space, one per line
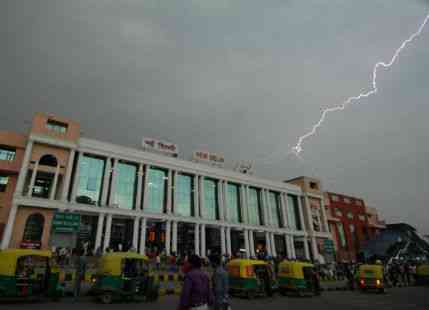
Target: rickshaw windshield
132 267
31 266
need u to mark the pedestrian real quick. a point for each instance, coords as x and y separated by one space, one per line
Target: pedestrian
220 283
196 292
80 269
158 262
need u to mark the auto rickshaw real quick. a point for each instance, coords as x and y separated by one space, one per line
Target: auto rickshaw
422 274
297 277
371 277
126 276
28 274
250 278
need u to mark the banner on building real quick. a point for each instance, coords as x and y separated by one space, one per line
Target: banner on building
66 222
159 146
208 158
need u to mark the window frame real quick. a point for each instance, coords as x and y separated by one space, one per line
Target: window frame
3 185
10 153
57 126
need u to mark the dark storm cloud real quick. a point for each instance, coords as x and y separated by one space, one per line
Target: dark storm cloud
245 78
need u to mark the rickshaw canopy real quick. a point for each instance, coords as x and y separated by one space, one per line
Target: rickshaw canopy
243 268
292 269
111 263
8 259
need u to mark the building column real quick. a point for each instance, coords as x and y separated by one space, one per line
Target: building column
292 242
67 177
243 204
288 247
24 169
55 183
7 233
33 179
273 245
246 194
270 215
307 209
306 249
314 249
301 214
171 191
136 233
252 243
76 180
139 188
225 201
198 200
143 237
263 203
222 240
174 238
106 179
107 232
203 241
228 241
283 204
197 239
145 186
112 198
268 244
246 243
325 223
167 238
99 233
220 200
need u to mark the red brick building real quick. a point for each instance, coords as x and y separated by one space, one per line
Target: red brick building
348 222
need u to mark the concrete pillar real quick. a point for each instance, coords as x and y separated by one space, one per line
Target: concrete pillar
76 180
136 233
146 186
143 237
112 198
288 247
268 243
222 240
225 201
139 188
273 245
167 238
228 241
203 241
283 208
301 214
7 233
197 239
174 238
309 216
67 177
247 243
170 190
106 179
252 243
220 202
246 195
99 233
243 204
198 201
314 249
33 179
24 169
55 183
306 249
325 224
107 232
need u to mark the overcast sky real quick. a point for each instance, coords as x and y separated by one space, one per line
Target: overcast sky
244 78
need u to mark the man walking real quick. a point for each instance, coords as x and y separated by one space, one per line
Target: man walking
196 292
220 283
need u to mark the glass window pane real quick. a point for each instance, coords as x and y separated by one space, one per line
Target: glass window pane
156 190
293 212
6 154
183 188
125 185
233 201
274 206
253 206
342 235
210 199
91 172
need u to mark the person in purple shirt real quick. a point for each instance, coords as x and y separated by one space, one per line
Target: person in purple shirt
196 292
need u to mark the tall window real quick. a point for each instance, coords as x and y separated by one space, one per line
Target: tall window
293 212
342 235
183 189
273 199
253 207
7 154
56 126
210 199
91 172
3 183
33 230
156 190
125 185
233 201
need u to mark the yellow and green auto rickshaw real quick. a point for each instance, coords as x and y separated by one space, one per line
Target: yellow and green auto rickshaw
250 278
422 274
297 277
371 277
28 274
124 275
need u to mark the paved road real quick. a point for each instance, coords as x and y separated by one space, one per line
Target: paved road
395 299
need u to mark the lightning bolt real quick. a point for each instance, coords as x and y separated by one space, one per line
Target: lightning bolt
297 149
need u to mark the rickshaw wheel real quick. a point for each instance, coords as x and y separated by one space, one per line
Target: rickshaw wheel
106 298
